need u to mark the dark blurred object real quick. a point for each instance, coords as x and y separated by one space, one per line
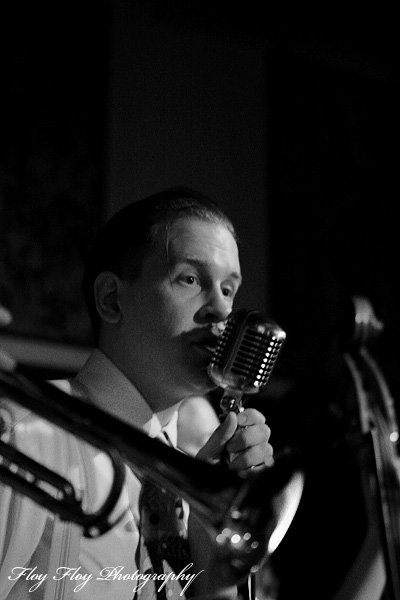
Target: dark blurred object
342 504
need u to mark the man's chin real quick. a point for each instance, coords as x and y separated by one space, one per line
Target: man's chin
201 382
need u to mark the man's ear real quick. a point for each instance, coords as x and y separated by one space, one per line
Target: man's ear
106 295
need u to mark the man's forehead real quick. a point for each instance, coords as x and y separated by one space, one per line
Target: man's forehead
200 243
194 238
187 231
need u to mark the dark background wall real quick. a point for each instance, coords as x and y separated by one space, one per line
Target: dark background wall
54 78
188 106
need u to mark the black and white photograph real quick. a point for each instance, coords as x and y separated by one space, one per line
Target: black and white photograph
199 301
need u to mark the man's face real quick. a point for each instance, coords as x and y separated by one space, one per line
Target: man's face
170 313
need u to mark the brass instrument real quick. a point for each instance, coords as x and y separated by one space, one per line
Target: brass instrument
247 517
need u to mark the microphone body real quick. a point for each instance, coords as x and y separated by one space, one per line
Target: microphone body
245 356
241 364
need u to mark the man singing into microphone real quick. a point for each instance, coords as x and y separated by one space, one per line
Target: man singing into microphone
159 283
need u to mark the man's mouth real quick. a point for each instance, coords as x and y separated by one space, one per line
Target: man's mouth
205 347
206 343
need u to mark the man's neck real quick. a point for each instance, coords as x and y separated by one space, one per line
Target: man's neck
162 402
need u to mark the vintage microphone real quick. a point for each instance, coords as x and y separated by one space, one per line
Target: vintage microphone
245 356
242 364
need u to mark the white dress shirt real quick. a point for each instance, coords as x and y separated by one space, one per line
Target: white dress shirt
104 568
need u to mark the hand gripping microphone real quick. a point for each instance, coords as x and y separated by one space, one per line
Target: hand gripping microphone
242 363
245 356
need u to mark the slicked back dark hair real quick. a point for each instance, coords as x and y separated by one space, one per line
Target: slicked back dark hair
135 229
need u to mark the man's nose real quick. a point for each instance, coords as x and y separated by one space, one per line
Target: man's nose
216 308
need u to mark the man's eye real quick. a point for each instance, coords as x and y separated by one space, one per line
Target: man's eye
189 279
228 292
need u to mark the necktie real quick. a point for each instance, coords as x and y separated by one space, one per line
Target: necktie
163 529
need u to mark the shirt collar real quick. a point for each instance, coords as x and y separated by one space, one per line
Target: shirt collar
108 388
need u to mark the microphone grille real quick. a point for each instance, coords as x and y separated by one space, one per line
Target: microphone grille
246 352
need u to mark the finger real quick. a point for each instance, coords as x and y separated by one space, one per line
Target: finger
214 447
248 436
257 456
250 416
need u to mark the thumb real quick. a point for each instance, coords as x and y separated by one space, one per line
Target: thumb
212 450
